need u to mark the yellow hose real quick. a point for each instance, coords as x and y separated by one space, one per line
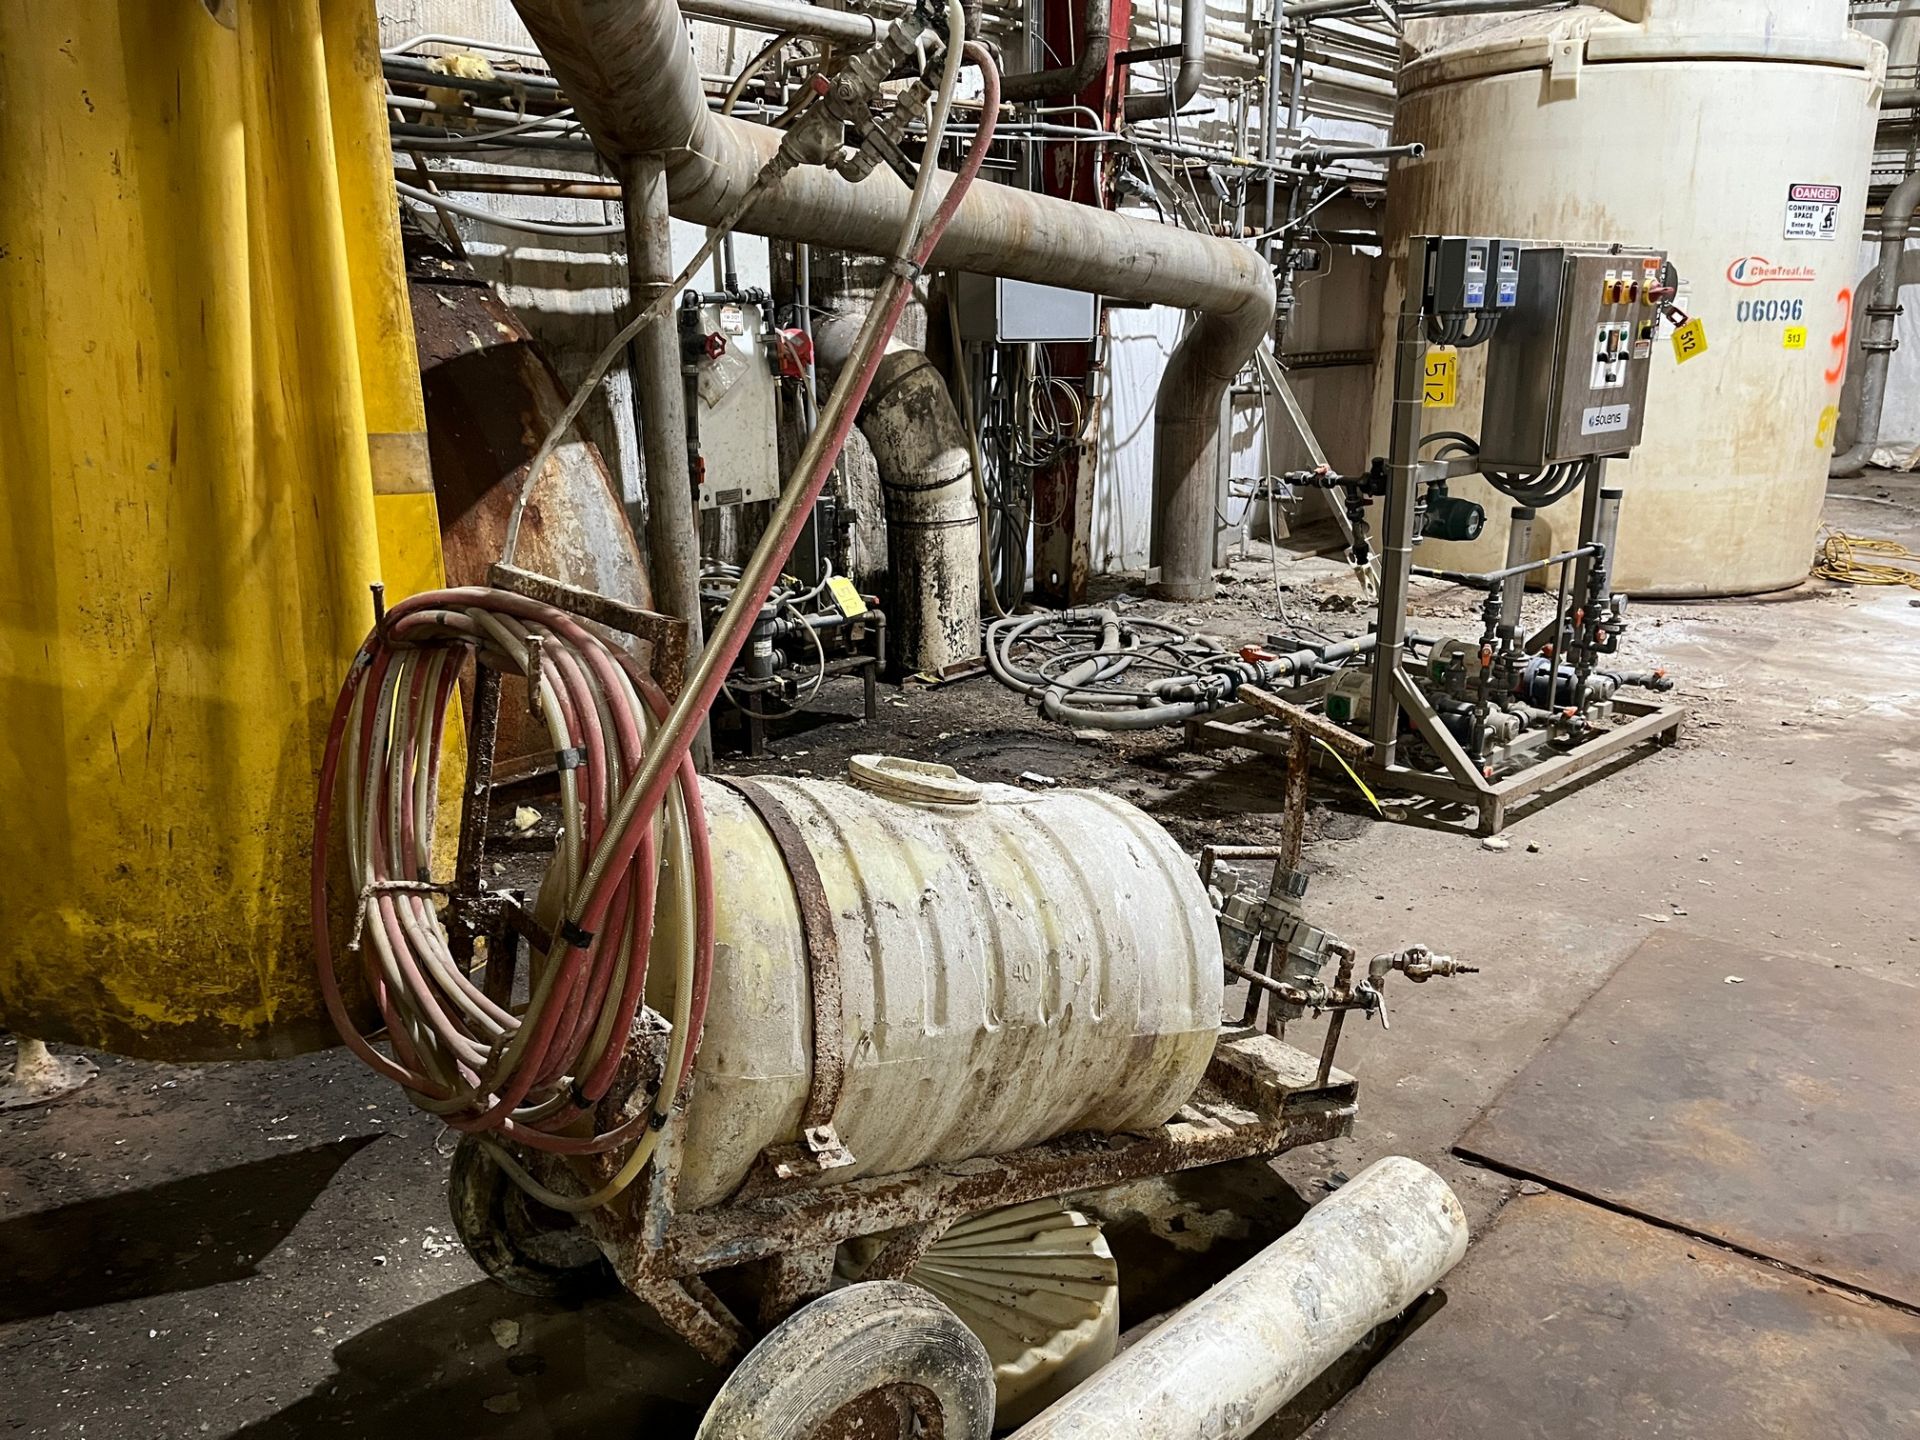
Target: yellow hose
1839 561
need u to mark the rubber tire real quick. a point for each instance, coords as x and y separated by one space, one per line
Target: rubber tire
518 1242
845 1345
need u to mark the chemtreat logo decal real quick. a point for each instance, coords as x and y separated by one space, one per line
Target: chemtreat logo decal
1758 270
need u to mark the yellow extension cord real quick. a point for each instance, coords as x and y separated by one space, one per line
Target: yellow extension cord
1839 560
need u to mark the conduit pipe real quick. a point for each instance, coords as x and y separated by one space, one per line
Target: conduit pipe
659 393
1186 80
631 73
1222 1366
1883 306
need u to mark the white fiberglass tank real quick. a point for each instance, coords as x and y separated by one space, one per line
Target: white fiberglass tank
1013 966
1736 135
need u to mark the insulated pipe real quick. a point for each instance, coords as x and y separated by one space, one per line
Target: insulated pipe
1870 398
1186 80
1222 1366
631 75
919 445
780 17
660 399
1065 81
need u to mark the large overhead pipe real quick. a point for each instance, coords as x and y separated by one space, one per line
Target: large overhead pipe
1222 1366
919 445
631 74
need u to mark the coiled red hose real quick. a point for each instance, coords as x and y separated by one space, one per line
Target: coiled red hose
478 1064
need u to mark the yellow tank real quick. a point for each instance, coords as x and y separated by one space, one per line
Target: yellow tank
210 425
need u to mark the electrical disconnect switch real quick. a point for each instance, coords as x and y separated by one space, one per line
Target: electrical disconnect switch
1460 273
1506 274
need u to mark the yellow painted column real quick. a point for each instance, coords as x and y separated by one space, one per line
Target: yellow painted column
203 352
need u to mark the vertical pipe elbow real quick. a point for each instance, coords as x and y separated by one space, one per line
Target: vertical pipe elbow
1188 430
1186 80
1065 81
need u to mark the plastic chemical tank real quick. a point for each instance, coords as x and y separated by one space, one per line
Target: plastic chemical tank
1014 966
1720 130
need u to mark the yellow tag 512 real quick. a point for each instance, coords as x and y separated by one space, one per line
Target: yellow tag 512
1442 383
1689 340
846 597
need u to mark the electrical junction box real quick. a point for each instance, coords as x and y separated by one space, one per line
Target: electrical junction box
992 309
733 405
1567 368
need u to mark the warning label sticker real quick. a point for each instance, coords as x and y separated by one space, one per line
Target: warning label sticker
1813 212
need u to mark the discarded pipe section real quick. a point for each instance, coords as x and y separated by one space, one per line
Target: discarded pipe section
1221 1367
633 78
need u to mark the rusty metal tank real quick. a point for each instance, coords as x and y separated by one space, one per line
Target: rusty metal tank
491 397
1012 966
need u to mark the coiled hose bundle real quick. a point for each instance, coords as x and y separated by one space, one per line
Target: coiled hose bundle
643 892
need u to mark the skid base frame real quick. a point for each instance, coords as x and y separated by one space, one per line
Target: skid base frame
1491 801
1260 1098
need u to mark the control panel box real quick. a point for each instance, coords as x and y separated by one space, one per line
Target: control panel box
1567 368
732 404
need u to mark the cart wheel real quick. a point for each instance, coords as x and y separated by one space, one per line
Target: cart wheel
882 1360
527 1247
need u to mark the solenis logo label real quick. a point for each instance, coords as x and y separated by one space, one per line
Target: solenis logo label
1758 270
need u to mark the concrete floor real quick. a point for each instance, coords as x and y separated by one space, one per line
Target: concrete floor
264 1250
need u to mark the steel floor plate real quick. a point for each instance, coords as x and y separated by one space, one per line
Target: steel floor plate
1776 1112
1570 1322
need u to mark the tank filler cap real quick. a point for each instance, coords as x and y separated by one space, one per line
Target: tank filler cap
915 781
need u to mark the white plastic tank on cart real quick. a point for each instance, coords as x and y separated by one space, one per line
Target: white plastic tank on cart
1012 966
1737 135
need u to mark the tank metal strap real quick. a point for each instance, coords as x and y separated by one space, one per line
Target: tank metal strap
822 944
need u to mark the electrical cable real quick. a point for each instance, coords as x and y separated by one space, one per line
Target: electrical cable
505 222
